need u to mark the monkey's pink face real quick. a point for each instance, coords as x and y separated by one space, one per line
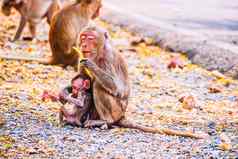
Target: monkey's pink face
79 85
88 43
75 90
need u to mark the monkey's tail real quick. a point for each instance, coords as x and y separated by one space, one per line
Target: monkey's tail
46 61
128 124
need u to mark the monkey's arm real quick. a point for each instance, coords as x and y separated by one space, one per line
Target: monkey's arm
64 94
61 115
65 97
54 7
87 102
77 102
111 83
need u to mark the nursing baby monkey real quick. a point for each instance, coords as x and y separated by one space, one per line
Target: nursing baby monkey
32 12
76 100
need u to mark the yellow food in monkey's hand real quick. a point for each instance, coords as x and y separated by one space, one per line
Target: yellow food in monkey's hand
81 58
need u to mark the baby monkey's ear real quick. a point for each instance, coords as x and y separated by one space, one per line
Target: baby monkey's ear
86 84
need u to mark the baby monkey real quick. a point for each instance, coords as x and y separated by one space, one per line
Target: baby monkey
76 100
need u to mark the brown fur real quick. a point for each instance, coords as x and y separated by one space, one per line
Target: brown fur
65 28
31 11
111 88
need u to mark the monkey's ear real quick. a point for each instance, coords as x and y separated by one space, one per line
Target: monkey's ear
86 84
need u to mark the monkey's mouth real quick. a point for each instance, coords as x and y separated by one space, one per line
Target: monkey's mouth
87 54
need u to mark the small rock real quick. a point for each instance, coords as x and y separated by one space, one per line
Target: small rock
212 128
32 151
214 89
226 142
188 102
175 62
137 40
217 74
225 146
2 121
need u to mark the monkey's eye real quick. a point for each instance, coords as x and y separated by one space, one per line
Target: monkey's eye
83 37
75 87
91 37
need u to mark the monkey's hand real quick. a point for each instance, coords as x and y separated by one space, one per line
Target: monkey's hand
88 64
62 97
64 94
107 80
77 102
28 38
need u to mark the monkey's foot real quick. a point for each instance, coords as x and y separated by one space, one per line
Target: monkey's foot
104 127
28 38
74 124
95 123
61 124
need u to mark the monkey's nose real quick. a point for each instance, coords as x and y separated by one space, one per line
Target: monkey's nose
84 46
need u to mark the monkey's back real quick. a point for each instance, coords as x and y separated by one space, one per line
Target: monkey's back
109 107
65 28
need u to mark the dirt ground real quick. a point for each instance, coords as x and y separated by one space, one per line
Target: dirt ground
31 128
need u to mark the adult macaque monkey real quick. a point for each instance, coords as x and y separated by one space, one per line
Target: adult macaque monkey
32 11
64 31
66 27
110 83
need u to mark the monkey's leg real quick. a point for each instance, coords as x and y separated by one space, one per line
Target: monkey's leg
108 107
32 28
96 123
78 122
82 114
54 7
61 116
20 29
